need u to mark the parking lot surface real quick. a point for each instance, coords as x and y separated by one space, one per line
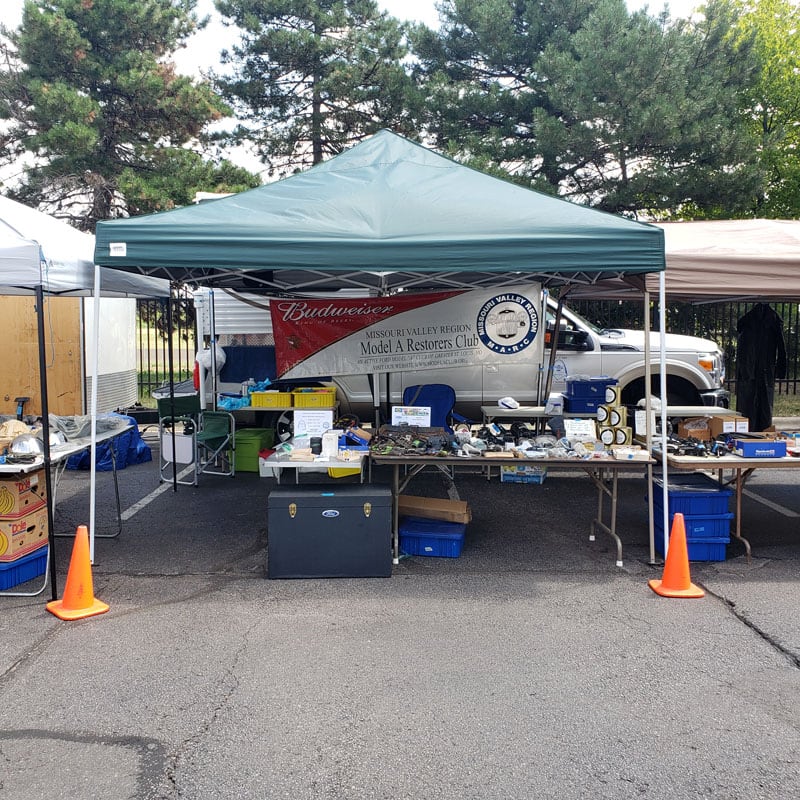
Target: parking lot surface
530 666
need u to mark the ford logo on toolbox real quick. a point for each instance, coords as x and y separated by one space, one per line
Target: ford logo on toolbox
330 512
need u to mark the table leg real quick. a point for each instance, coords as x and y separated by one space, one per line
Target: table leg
613 493
395 514
738 527
58 471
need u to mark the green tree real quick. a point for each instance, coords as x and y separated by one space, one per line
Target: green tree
625 112
773 102
310 78
91 96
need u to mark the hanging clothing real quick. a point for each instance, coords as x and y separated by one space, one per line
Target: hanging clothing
760 359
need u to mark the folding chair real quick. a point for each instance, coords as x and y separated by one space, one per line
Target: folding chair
177 428
215 441
440 398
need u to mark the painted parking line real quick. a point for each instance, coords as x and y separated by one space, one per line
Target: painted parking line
787 512
147 499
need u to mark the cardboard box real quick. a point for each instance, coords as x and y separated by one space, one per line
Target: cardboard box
22 494
434 508
732 423
760 448
523 473
22 535
693 428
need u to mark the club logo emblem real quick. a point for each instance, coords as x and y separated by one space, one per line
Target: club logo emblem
508 323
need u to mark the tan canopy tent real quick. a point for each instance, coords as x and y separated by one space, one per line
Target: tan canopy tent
720 260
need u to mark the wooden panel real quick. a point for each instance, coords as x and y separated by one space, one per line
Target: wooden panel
19 364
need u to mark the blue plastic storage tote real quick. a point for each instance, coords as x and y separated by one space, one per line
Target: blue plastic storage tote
431 537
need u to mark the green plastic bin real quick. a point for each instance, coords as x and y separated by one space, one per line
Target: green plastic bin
249 442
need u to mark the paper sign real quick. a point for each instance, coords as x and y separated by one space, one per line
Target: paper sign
312 422
411 415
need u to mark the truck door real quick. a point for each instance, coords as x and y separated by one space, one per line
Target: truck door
578 348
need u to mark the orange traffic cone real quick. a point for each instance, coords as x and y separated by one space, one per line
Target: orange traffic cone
676 582
78 600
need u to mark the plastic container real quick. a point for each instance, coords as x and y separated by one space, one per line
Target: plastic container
271 399
23 569
692 494
700 526
713 549
590 388
431 537
582 405
314 398
249 442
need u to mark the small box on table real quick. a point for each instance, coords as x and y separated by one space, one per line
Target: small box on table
733 423
430 537
760 448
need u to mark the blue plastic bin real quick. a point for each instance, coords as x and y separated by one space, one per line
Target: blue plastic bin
711 549
431 537
692 494
23 569
593 388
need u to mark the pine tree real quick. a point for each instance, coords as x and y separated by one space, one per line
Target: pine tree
624 112
308 79
94 101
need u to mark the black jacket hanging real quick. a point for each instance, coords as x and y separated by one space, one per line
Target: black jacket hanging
760 359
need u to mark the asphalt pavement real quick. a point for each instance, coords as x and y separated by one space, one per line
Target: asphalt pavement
531 666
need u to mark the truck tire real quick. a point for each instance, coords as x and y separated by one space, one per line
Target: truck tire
679 391
281 423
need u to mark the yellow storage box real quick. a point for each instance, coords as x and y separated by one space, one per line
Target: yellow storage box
271 399
324 397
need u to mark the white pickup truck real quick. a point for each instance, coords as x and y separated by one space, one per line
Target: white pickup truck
695 370
695 367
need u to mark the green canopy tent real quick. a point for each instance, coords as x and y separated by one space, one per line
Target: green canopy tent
386 214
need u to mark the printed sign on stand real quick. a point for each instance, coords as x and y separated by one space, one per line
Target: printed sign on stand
411 415
312 422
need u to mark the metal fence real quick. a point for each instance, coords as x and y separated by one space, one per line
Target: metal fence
716 321
156 346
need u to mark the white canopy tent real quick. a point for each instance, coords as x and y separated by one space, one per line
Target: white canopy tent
41 255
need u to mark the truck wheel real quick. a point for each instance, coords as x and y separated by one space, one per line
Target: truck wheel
282 425
679 391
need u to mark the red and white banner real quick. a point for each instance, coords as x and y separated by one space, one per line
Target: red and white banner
406 332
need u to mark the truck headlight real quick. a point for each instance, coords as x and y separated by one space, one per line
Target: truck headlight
714 365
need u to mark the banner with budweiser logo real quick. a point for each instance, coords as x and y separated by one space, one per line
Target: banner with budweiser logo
406 332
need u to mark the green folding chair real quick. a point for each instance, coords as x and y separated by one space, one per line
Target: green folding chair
215 443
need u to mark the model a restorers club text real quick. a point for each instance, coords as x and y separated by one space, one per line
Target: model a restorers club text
419 339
